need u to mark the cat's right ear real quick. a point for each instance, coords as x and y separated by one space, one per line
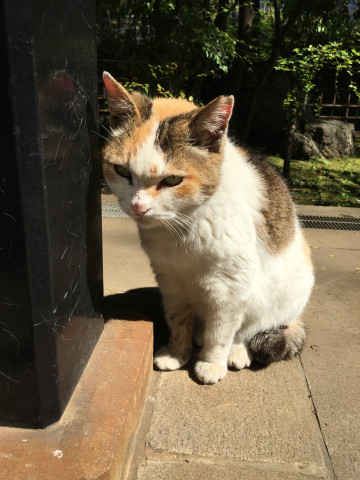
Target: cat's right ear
210 123
121 105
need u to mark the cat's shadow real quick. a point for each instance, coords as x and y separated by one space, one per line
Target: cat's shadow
146 304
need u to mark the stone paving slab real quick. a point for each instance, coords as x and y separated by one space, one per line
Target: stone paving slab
202 470
262 416
331 356
126 266
329 211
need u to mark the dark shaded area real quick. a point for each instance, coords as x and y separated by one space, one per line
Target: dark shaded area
139 304
50 251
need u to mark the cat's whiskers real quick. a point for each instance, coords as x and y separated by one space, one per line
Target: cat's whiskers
182 225
108 131
168 226
111 132
184 218
172 229
183 215
102 136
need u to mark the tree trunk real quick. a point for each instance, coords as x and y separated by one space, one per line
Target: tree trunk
278 45
245 22
221 23
222 15
288 149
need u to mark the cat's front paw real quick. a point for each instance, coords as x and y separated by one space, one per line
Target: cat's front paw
210 373
164 359
239 356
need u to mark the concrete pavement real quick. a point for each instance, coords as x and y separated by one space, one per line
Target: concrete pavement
292 420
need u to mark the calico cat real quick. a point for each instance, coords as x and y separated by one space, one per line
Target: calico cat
219 227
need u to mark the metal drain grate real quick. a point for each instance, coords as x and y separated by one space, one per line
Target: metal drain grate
330 223
112 210
307 221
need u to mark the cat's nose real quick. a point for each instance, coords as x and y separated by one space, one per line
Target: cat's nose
140 208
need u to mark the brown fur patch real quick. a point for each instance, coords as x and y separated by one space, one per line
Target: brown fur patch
144 105
181 327
278 226
174 139
267 347
279 344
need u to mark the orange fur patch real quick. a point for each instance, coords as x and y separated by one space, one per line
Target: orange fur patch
170 107
242 151
153 191
307 252
190 186
138 137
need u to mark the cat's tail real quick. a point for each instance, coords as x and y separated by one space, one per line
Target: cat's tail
278 344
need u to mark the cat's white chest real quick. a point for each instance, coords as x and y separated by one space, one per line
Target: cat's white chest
207 262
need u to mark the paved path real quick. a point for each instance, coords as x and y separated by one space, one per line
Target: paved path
298 419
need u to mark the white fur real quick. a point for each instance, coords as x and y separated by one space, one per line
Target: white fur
218 265
239 356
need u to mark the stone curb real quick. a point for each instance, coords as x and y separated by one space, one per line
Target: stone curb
91 439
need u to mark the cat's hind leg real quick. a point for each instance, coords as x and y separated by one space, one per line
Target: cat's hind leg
177 353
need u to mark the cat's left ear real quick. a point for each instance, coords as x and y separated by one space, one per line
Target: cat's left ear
121 104
210 123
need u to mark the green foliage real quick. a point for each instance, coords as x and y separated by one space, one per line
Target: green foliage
320 181
219 47
204 48
305 63
164 45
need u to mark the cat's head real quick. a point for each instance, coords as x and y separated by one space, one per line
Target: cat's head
163 157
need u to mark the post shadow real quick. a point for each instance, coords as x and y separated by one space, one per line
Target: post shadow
148 301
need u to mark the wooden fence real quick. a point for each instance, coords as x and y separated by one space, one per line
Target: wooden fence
342 104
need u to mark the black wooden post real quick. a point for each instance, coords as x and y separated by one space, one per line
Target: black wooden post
50 212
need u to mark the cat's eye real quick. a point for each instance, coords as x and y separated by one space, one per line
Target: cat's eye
172 180
122 171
